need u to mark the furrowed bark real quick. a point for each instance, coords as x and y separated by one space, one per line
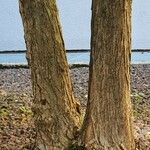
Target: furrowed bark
56 112
107 124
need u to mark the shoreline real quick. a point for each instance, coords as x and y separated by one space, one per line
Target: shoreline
74 65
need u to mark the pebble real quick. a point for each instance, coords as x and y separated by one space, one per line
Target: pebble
3 93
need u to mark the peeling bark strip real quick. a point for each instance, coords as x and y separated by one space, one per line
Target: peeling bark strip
107 125
55 110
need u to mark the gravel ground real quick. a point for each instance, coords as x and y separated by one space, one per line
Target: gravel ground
16 82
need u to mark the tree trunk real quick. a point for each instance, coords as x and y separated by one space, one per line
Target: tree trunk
107 124
56 113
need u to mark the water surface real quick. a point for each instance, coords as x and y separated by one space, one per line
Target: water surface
137 57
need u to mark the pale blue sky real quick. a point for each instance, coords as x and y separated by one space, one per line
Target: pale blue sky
75 20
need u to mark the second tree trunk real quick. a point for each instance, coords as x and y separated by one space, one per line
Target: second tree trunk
107 124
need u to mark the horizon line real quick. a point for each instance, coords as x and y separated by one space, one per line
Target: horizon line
67 50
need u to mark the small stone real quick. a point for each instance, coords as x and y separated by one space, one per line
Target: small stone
3 93
86 96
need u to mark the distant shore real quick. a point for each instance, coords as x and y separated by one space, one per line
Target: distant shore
68 51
